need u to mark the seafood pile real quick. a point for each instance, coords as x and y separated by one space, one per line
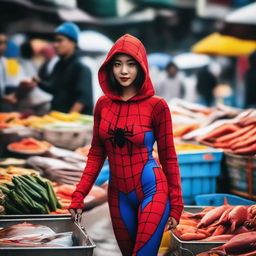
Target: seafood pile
234 225
33 235
64 193
190 119
237 138
60 165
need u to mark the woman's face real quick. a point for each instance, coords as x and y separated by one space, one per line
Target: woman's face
125 69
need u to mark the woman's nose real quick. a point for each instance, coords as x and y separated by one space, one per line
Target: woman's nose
124 69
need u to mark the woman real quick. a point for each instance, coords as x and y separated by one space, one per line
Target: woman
127 121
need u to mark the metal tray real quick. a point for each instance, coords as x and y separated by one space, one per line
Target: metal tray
32 216
191 248
83 245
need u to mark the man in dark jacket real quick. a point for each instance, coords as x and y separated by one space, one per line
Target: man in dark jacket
70 82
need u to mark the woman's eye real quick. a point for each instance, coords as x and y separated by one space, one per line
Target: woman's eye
116 64
132 64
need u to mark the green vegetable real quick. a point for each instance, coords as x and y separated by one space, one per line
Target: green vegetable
4 189
51 196
35 186
11 209
17 200
32 193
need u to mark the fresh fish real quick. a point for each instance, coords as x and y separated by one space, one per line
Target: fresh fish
31 235
25 229
64 153
44 163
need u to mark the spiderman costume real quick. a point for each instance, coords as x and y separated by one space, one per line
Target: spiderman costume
142 194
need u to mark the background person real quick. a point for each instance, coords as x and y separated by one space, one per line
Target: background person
70 82
172 86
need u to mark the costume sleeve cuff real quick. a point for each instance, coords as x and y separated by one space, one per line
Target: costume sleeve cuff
176 212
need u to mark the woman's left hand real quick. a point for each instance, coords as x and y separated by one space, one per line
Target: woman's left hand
171 224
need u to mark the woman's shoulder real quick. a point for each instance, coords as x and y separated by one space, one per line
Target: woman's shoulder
157 100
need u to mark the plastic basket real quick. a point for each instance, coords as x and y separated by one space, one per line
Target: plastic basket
218 199
199 171
242 175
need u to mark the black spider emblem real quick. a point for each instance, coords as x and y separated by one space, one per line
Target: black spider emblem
119 137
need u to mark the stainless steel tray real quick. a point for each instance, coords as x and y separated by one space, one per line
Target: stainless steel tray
32 216
191 248
83 245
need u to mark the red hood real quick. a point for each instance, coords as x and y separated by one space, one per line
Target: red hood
130 45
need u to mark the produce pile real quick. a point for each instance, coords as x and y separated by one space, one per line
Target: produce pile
225 223
181 147
29 145
16 119
28 194
6 174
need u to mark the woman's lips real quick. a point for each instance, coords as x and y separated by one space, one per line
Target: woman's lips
124 79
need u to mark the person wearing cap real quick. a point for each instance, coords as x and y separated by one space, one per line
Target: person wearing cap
70 82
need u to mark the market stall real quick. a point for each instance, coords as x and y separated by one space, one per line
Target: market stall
43 160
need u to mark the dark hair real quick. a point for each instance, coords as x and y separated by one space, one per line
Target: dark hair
114 85
26 50
171 64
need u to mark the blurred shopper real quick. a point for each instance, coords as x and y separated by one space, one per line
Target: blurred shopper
26 55
250 82
172 85
71 82
206 82
7 88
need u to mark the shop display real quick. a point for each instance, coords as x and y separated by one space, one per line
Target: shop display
212 229
241 173
201 134
82 245
238 137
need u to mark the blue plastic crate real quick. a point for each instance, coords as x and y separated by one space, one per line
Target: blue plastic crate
218 199
199 171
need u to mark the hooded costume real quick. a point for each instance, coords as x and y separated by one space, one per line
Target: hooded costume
142 194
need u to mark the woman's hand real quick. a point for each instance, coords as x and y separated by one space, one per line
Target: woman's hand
75 212
171 224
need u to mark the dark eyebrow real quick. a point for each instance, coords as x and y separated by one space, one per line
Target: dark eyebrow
127 60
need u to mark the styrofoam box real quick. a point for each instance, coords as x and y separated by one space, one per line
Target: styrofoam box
199 171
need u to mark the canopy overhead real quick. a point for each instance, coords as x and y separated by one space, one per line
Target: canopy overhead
93 41
189 60
217 44
241 23
159 60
